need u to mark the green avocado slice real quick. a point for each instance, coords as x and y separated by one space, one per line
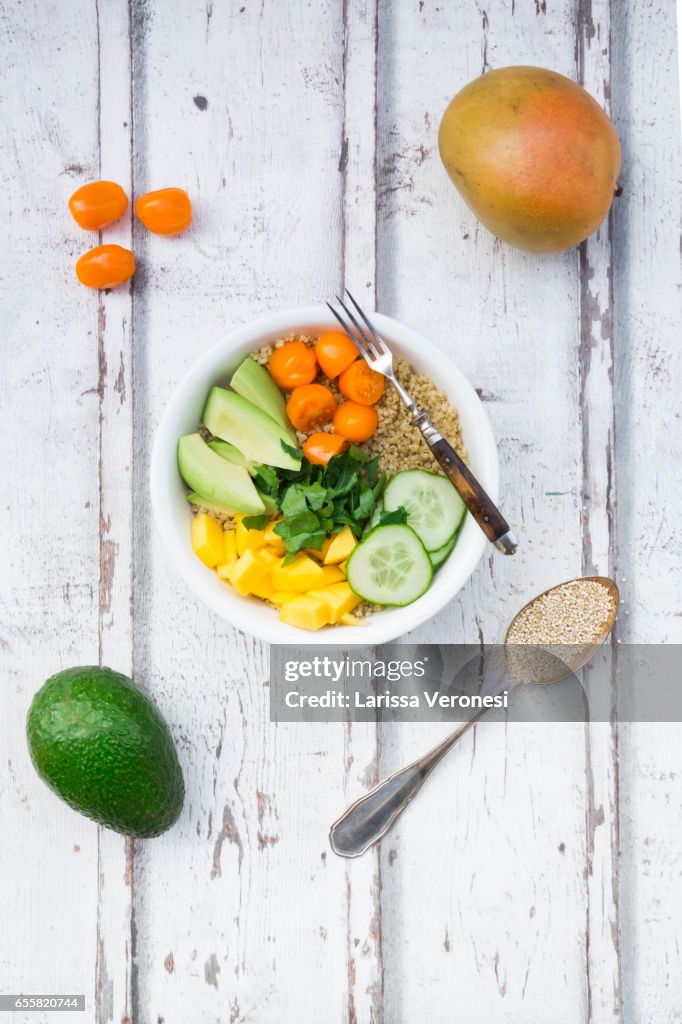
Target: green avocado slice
216 478
253 382
256 435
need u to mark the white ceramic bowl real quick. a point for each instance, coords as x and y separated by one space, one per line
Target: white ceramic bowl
173 513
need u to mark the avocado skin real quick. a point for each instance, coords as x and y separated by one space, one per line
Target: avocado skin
101 744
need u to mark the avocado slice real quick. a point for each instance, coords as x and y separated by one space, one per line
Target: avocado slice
232 454
253 382
102 745
219 480
194 498
257 436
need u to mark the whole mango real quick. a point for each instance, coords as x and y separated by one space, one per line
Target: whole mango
533 155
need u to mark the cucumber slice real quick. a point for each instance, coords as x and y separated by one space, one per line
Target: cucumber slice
434 508
439 556
389 567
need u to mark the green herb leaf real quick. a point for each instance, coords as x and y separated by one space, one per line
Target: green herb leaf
366 504
255 522
316 540
294 501
316 501
316 496
379 486
267 480
372 471
398 516
295 453
304 522
357 454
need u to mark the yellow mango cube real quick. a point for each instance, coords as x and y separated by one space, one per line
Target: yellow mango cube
339 599
247 573
272 539
230 556
207 540
300 575
305 611
332 574
230 546
269 558
340 546
248 540
350 620
264 589
280 597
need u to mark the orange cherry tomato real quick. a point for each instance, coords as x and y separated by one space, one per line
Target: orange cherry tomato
292 364
335 351
361 384
310 406
105 266
97 204
355 422
322 447
167 211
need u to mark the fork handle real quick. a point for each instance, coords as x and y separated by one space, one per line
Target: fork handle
485 512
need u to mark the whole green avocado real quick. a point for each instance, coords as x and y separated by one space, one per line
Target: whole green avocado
101 744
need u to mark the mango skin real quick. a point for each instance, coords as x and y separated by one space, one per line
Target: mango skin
533 155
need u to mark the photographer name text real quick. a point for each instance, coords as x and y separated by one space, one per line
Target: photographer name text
388 699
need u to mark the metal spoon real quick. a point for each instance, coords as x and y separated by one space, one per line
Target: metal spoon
371 817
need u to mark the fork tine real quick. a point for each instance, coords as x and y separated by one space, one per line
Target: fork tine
380 343
368 341
350 334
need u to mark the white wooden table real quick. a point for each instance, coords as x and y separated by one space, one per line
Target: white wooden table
537 879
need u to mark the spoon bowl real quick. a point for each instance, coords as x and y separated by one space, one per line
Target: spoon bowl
550 663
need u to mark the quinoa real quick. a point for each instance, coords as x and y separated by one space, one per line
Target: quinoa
225 520
561 625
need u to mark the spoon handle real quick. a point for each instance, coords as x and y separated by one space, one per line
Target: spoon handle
370 817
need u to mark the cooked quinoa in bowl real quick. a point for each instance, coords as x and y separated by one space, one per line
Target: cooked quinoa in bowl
388 600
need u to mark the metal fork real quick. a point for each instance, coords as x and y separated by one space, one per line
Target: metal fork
379 357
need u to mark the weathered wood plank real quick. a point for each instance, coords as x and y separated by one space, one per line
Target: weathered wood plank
604 1002
648 370
364 951
483 854
49 557
115 923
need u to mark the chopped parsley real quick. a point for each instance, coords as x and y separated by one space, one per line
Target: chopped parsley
316 501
